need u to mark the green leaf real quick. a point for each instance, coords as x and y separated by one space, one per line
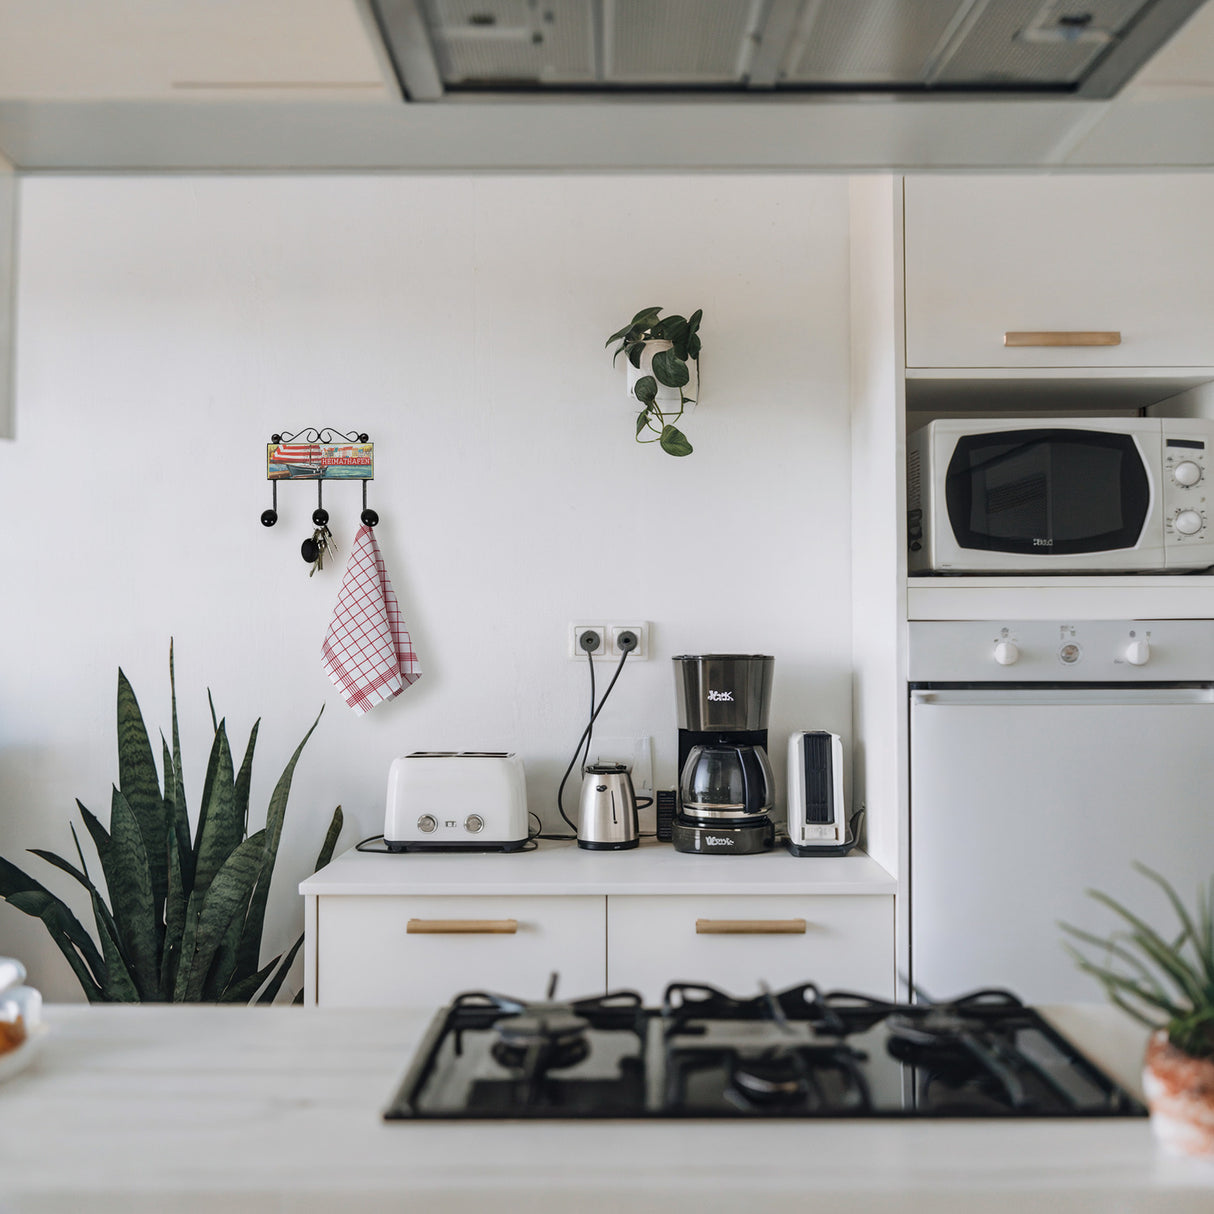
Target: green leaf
1186 922
244 778
220 828
188 938
132 899
674 441
174 925
244 990
25 894
268 995
645 317
635 354
326 848
643 418
646 389
669 369
181 817
250 942
118 986
141 787
226 897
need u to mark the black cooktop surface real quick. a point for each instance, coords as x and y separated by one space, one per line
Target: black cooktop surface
706 1054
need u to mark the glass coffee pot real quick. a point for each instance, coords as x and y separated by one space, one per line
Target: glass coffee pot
726 784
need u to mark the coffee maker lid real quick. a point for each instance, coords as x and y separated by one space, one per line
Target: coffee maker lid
733 657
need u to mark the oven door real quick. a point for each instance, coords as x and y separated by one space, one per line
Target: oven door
1048 496
1022 799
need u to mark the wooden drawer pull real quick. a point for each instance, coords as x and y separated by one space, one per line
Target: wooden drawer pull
462 927
750 927
1061 337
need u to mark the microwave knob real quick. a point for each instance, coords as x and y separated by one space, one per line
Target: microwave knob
1186 472
1187 522
1138 653
1007 653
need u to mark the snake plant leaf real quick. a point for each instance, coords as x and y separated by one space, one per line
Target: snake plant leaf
25 894
188 937
670 369
132 898
244 990
249 953
141 787
226 897
674 441
174 922
330 843
101 913
117 984
181 817
275 983
220 827
244 778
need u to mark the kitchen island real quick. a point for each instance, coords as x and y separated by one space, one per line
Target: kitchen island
197 1108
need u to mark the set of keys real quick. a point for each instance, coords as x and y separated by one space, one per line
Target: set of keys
321 544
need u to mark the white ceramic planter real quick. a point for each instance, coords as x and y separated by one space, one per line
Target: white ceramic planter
667 398
1180 1094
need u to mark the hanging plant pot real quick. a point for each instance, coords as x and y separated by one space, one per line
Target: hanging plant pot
667 397
662 357
1180 1094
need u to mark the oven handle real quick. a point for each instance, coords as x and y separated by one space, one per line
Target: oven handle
1029 696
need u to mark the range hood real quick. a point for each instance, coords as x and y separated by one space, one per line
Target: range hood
442 49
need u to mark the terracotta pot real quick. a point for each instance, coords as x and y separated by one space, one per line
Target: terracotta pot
1180 1093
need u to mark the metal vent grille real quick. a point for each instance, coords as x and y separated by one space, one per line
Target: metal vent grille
914 492
677 41
819 779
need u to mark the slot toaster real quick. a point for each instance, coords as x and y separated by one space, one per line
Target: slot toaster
456 800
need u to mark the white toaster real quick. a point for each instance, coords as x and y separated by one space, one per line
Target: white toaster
447 800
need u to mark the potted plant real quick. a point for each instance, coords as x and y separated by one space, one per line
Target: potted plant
663 367
1167 985
184 918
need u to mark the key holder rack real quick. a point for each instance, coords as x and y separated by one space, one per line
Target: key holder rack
319 455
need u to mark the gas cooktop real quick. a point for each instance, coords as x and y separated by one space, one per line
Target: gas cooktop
793 1053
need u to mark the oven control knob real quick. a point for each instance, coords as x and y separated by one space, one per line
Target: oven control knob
1186 472
1187 522
1007 653
427 824
474 824
1138 653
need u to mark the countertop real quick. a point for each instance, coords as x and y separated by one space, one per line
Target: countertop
199 1108
557 868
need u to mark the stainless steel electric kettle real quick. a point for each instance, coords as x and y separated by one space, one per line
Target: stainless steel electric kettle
607 813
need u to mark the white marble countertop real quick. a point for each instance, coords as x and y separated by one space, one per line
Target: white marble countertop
564 868
184 1109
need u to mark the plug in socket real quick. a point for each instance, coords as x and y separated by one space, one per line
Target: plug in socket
580 638
637 652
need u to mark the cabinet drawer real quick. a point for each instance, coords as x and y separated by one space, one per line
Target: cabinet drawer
1103 254
419 952
738 942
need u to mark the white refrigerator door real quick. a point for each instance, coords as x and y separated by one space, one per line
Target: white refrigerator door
1022 800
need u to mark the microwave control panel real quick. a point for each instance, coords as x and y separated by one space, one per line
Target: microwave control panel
1186 473
1079 651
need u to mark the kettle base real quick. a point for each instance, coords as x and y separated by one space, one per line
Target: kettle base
753 837
622 845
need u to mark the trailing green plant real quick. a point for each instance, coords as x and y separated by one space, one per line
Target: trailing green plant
670 370
1160 982
185 915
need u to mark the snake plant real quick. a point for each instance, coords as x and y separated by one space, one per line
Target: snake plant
185 915
1155 979
655 425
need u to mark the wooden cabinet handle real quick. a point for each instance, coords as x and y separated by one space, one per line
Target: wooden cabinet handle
750 927
462 927
1063 337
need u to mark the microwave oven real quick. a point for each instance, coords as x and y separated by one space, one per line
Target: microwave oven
1060 495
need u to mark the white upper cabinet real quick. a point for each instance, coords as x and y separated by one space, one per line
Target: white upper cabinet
1060 259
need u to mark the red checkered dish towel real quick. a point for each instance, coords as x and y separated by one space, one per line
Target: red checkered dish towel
367 651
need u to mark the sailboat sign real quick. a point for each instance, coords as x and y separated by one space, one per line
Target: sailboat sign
320 461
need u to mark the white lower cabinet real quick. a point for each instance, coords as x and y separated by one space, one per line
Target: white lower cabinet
401 951
737 943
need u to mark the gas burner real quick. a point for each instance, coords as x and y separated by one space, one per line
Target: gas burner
774 1078
546 1037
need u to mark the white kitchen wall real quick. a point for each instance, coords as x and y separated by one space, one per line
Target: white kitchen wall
167 326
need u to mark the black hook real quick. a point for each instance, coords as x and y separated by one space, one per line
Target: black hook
270 517
369 517
320 516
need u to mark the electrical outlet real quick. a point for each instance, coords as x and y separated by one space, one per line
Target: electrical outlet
640 652
576 649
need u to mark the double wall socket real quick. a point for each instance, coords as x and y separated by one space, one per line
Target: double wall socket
609 641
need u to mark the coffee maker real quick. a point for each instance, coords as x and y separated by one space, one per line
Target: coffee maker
726 788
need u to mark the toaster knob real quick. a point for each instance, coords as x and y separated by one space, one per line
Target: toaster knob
474 824
427 824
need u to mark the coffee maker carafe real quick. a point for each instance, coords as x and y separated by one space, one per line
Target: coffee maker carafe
726 786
